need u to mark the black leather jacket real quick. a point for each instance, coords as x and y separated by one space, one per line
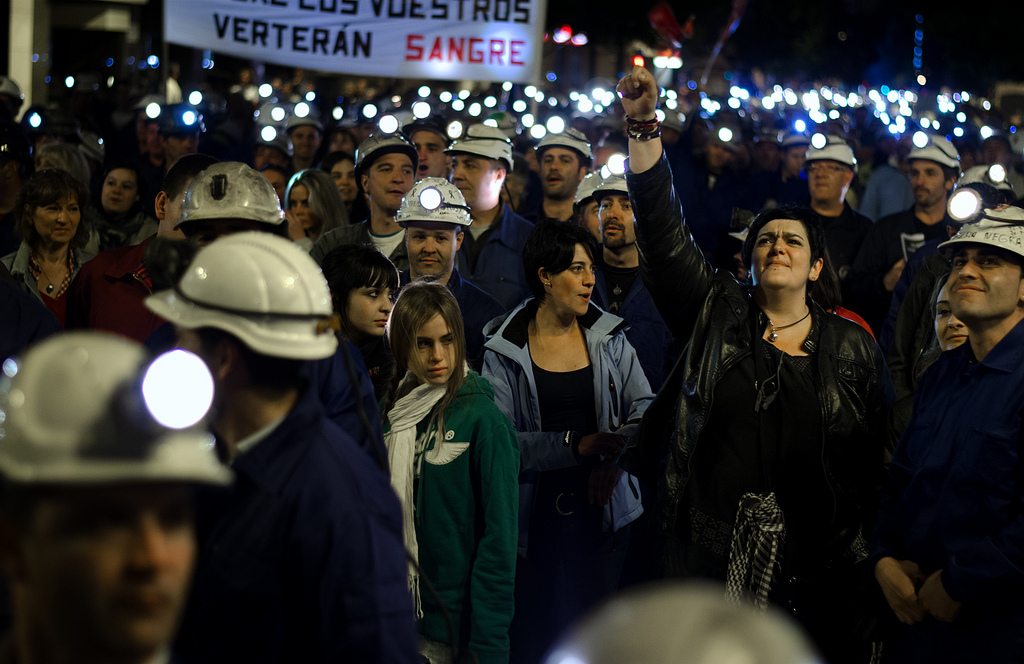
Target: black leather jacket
708 311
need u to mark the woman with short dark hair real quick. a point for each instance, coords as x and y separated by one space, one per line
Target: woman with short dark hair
566 376
364 284
52 232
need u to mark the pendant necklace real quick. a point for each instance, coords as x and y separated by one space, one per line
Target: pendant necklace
773 337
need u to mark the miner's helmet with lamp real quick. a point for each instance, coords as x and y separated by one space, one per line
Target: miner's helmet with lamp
434 200
830 148
613 183
589 183
792 138
979 188
180 120
933 147
230 190
433 123
484 141
379 144
262 289
90 408
303 115
269 136
569 139
1001 227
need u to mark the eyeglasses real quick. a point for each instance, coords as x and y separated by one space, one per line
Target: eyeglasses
828 169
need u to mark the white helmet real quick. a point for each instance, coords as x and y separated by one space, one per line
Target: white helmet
570 139
303 115
1000 228
377 145
588 184
434 199
484 141
259 287
978 188
11 89
934 148
89 408
615 183
830 148
231 190
644 625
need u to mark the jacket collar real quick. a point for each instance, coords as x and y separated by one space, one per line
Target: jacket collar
514 327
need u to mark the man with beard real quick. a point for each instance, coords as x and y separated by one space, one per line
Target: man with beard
934 168
564 160
618 288
434 214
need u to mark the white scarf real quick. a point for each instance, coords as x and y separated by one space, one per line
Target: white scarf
402 457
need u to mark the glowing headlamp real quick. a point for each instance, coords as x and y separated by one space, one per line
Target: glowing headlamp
430 198
177 389
268 133
964 205
725 134
996 173
152 110
35 120
188 118
301 109
616 163
920 140
818 141
388 124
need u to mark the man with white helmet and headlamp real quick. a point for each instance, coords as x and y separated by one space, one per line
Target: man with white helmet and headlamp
385 168
830 167
947 547
909 327
934 168
491 253
434 215
102 452
564 158
585 208
305 561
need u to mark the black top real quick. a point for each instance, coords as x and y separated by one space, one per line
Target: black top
618 281
776 448
566 400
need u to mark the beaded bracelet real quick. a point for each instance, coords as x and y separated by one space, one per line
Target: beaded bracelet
643 130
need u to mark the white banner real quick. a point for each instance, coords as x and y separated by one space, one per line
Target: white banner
488 40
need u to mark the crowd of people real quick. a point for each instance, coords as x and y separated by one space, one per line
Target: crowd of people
350 394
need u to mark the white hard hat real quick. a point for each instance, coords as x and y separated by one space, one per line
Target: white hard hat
1000 228
682 623
434 199
10 88
615 183
830 148
588 184
570 139
934 148
484 141
978 188
231 190
377 145
261 288
272 138
793 139
89 407
303 115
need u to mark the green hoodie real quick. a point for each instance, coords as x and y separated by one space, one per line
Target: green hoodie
467 500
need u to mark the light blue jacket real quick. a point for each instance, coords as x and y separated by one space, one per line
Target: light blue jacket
621 392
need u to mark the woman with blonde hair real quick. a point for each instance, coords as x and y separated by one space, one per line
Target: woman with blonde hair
454 464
